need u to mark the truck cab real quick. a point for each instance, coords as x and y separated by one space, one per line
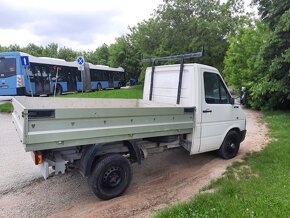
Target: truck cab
202 87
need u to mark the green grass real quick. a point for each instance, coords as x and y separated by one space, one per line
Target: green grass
6 107
135 92
257 187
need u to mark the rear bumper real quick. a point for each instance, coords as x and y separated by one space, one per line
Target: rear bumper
243 134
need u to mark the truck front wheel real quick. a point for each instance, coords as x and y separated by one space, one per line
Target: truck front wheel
111 176
230 146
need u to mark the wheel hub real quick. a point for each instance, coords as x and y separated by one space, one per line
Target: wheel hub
231 147
112 177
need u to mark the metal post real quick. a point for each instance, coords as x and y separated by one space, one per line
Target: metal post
56 77
180 81
167 58
152 80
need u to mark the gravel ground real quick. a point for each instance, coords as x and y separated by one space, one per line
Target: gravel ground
161 180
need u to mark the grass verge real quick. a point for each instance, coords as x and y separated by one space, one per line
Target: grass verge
135 92
6 107
257 187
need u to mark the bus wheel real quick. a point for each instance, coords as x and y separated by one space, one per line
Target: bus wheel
111 176
230 146
58 90
99 87
118 87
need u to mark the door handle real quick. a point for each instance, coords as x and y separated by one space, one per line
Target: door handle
207 111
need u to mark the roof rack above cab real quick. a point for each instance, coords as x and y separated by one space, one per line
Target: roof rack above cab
181 57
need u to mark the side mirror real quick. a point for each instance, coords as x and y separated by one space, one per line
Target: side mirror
232 101
244 94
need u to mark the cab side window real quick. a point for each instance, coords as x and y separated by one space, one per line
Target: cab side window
214 89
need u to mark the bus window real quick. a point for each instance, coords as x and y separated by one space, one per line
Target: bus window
70 79
41 79
7 67
93 75
45 79
78 75
56 73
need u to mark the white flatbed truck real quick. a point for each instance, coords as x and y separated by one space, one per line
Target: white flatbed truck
183 105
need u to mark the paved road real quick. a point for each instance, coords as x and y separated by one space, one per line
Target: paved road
16 166
4 99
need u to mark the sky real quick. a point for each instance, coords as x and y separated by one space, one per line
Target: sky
76 24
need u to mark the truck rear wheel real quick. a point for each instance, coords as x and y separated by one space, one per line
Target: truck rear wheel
230 146
111 176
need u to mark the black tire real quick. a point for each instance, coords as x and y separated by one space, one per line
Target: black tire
99 87
230 146
118 86
58 90
111 176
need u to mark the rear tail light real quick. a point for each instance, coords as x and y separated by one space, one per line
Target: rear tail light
37 157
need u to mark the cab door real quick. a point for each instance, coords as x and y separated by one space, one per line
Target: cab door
217 111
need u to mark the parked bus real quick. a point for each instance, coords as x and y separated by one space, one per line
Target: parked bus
45 76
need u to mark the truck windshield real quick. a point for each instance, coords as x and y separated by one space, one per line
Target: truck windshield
7 67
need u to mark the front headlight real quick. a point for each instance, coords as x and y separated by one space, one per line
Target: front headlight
19 81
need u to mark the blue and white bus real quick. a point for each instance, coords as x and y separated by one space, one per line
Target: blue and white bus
45 76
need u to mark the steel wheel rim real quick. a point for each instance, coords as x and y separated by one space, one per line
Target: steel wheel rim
112 177
231 146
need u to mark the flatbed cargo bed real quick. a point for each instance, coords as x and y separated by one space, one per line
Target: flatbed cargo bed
52 123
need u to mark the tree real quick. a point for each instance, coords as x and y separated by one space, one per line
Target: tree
34 50
99 56
14 48
51 50
67 54
123 54
242 56
273 90
3 49
272 11
183 26
117 52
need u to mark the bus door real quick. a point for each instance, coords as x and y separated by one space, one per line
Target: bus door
111 79
41 80
71 80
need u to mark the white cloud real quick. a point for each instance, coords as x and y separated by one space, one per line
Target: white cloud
82 25
19 37
78 24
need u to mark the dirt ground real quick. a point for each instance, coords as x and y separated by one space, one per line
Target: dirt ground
162 180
